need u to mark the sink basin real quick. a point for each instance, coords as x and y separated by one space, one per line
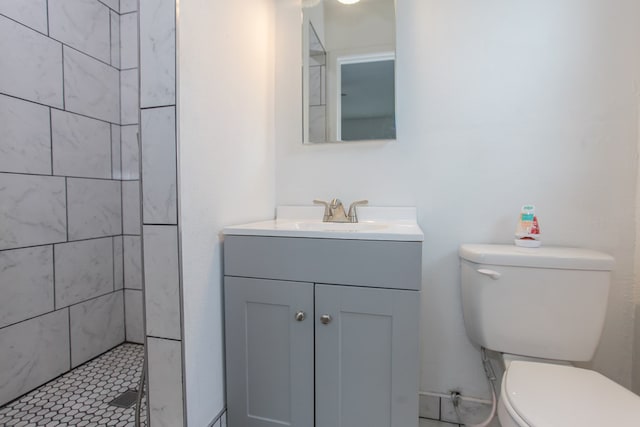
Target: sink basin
347 227
375 223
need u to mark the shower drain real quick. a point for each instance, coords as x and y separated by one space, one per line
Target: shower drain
126 399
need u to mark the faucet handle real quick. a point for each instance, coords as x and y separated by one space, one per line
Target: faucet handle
353 216
326 208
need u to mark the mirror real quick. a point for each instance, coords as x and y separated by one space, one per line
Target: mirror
348 70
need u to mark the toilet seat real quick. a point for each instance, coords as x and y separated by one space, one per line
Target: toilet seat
548 395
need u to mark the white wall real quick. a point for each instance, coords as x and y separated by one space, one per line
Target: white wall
226 166
360 25
500 103
315 16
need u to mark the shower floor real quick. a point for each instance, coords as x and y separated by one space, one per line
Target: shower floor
81 397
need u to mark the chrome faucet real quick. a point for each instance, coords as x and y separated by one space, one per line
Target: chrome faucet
334 210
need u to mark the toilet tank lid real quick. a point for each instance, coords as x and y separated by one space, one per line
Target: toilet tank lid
544 394
542 257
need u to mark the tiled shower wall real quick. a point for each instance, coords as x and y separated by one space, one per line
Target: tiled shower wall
160 212
69 237
130 170
317 88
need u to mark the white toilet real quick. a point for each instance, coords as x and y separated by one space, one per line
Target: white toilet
543 308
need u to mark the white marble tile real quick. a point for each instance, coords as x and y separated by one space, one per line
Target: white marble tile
32 209
115 39
32 13
157 52
25 145
315 85
323 85
34 71
127 6
118 262
82 24
133 316
91 87
165 382
223 419
130 153
131 207
83 270
429 406
129 97
159 166
112 4
317 124
116 155
129 41
132 262
26 283
33 352
94 208
96 326
471 411
81 146
79 397
162 283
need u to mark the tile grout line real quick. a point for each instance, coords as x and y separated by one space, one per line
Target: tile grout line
111 150
110 36
51 138
53 270
70 344
153 107
95 297
66 203
65 176
63 242
124 312
113 263
64 107
47 7
53 107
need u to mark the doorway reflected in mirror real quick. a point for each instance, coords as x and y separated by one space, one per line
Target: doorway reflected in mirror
348 71
367 89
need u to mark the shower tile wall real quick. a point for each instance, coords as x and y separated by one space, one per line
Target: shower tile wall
317 89
69 201
160 211
130 173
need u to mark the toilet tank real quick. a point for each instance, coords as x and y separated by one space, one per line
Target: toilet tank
547 302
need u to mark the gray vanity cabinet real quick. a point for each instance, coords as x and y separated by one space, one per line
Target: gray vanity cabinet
269 359
328 350
366 357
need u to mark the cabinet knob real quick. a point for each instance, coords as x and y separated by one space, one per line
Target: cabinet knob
300 316
325 319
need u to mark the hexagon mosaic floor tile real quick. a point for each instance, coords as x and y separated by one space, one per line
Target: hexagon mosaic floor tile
81 397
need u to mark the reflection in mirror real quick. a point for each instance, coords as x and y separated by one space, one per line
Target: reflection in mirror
348 70
367 107
317 88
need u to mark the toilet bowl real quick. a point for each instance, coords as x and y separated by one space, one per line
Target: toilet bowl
546 306
535 394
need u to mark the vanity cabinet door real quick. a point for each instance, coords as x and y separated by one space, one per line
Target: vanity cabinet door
269 352
366 357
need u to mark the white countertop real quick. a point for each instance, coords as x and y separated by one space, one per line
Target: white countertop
374 223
